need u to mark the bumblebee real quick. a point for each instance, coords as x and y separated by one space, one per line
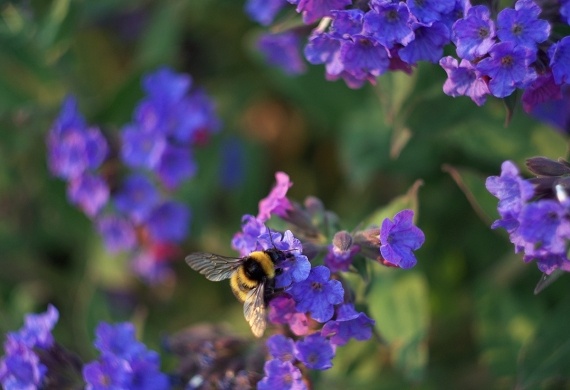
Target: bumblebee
251 279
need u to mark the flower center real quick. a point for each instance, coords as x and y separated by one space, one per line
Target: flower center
313 358
507 61
365 42
517 29
317 286
552 216
392 16
483 32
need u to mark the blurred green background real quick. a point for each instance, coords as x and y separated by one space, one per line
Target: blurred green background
469 307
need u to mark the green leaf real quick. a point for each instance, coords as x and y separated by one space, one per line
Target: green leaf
485 139
504 323
546 357
366 138
399 304
161 38
472 184
510 103
53 22
394 89
407 201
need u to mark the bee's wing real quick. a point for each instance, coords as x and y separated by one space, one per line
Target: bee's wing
254 309
214 267
547 280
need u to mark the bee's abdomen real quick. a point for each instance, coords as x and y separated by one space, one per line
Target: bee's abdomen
239 287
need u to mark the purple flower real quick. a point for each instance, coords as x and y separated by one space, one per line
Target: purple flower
389 24
544 227
346 23
559 54
21 368
168 222
149 266
554 112
141 149
512 191
509 68
88 191
276 202
137 197
96 148
541 90
282 311
109 373
176 165
124 363
363 56
118 340
552 262
315 352
72 147
148 116
281 375
233 163
146 373
522 25
313 10
118 233
194 118
37 329
283 51
427 45
318 294
281 347
245 241
348 324
399 239
565 10
264 11
166 86
429 11
294 267
324 49
474 34
351 80
463 80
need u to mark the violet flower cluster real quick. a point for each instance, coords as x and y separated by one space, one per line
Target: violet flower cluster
311 304
125 363
33 360
536 212
137 213
498 51
21 367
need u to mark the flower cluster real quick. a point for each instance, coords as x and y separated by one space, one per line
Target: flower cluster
33 360
137 214
536 212
125 363
308 295
499 57
358 41
21 367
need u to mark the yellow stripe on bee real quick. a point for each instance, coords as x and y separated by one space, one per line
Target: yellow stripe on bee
237 288
265 262
245 282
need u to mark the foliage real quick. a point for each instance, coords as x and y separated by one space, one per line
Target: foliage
465 316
